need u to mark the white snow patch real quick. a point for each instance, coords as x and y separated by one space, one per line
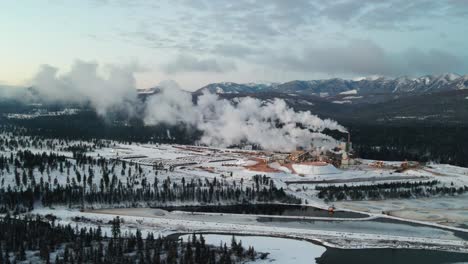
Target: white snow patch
368 78
342 102
276 165
246 162
354 91
352 97
307 169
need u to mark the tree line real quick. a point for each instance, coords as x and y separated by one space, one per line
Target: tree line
394 190
437 143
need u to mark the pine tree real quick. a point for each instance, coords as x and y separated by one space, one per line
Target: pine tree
116 227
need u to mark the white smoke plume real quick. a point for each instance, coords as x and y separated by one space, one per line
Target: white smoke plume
171 106
83 83
272 125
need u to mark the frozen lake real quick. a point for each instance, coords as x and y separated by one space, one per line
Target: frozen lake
282 250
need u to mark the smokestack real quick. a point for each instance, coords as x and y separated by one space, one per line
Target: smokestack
348 144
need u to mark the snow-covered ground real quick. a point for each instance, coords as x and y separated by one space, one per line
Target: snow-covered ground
233 166
451 211
305 169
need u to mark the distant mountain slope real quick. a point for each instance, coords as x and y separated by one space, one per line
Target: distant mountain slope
337 87
442 107
445 107
235 88
429 99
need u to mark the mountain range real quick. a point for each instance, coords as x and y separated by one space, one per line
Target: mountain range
341 91
429 99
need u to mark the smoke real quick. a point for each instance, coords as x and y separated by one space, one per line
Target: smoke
83 84
272 125
171 106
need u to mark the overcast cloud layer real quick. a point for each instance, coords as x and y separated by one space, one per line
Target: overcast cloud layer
200 41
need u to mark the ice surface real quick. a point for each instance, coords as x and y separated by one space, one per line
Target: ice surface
282 250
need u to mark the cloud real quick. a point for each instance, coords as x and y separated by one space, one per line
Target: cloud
259 21
267 36
234 50
204 33
365 57
189 63
83 84
433 61
394 14
358 56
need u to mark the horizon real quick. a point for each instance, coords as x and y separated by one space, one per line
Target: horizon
356 79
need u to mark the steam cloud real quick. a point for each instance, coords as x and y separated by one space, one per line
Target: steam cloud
83 84
271 124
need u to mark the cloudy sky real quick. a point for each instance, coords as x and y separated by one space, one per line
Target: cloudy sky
196 42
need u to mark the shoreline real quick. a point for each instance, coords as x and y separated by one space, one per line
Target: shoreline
317 242
332 239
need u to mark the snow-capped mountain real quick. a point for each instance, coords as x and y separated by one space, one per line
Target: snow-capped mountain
237 88
362 86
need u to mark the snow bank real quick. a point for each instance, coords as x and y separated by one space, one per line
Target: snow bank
315 169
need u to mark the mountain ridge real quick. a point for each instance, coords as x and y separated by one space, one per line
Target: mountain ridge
336 86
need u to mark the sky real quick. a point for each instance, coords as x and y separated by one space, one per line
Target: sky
197 42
